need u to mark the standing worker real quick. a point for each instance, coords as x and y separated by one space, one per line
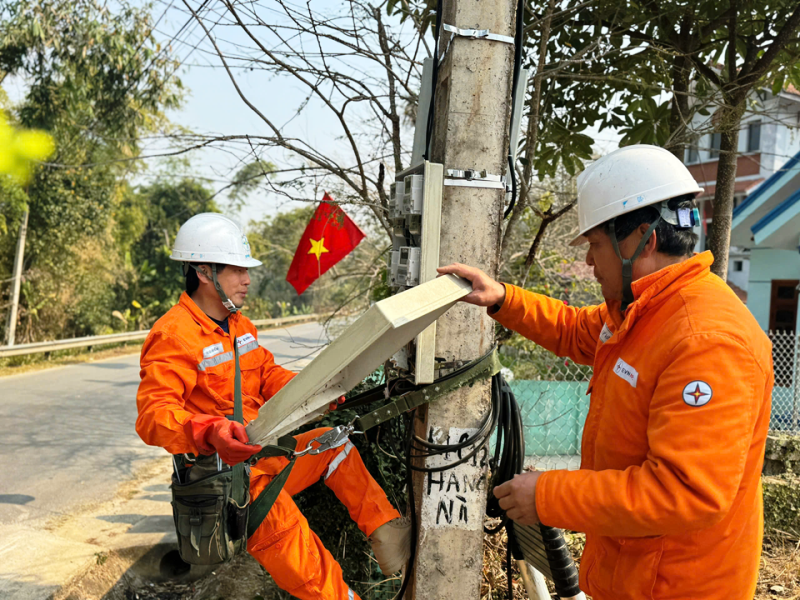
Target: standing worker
669 489
186 401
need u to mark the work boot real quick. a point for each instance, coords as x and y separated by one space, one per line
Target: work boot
391 545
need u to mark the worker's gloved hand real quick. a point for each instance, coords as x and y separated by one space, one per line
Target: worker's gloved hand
217 434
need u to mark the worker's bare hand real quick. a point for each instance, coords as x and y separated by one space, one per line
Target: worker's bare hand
518 498
485 290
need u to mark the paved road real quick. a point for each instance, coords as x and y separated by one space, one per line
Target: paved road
67 435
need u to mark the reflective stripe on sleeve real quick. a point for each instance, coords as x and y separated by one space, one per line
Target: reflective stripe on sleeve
338 460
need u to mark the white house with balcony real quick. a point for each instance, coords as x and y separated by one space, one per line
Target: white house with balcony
766 225
769 136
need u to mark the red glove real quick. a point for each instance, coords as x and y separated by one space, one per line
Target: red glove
334 405
218 434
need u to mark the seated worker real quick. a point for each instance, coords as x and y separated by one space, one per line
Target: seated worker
669 489
187 389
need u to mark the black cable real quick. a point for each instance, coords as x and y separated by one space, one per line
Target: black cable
507 460
434 78
509 454
412 508
479 440
518 38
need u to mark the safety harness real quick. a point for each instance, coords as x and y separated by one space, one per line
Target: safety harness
483 368
683 218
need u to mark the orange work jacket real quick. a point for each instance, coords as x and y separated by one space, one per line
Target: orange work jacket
669 490
187 369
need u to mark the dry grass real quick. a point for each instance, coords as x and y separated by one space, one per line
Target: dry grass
779 577
495 581
780 568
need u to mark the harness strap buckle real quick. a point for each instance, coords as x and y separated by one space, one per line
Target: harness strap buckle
329 440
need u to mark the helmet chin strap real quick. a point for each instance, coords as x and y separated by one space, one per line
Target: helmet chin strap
226 302
627 263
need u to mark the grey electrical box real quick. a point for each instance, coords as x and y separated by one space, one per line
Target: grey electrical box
413 194
396 203
393 264
408 266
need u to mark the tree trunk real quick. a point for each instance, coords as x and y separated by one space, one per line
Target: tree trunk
532 135
719 239
679 112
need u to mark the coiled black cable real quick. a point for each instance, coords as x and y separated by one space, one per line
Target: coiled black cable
504 418
509 452
508 461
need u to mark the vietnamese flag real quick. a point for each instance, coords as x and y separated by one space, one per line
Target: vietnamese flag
329 237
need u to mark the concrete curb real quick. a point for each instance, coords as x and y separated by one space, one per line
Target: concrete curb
42 561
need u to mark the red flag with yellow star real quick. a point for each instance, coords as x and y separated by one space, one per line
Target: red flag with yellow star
329 237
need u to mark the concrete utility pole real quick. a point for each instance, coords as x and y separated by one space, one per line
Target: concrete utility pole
12 315
471 131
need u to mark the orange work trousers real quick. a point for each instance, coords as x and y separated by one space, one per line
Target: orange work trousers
285 545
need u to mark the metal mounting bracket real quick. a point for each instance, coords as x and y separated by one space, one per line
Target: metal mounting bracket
478 34
474 178
472 34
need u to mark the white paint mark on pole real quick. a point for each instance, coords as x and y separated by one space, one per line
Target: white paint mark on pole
455 495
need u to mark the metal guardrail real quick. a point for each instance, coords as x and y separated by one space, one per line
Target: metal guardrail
129 336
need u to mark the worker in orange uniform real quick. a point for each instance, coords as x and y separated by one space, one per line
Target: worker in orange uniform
669 490
187 387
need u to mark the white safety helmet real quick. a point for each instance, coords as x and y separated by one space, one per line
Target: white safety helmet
628 179
212 238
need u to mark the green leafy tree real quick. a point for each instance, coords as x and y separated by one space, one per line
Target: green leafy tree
148 219
646 67
95 80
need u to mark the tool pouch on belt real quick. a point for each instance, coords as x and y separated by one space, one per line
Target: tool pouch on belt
211 524
210 501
